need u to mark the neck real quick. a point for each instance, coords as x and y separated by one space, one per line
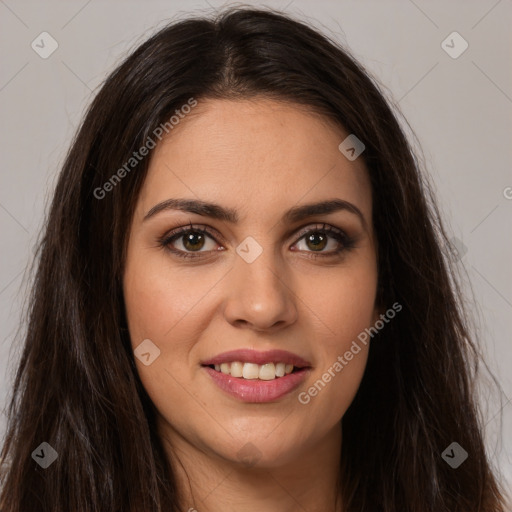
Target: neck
309 480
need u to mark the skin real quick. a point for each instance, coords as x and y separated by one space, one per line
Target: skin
259 157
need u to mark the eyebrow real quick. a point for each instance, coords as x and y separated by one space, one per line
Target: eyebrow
215 211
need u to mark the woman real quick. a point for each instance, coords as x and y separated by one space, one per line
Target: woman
243 298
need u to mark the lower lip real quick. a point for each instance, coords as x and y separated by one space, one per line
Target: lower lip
255 390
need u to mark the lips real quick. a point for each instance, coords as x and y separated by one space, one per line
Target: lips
253 376
259 358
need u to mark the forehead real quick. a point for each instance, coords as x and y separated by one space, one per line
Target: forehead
255 155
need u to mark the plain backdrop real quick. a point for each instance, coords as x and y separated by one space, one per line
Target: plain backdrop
459 106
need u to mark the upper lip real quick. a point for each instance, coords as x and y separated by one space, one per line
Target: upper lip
254 356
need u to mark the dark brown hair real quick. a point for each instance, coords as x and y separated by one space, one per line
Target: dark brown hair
77 387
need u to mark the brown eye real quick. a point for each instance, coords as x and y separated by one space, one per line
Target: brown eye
316 241
324 237
189 242
193 241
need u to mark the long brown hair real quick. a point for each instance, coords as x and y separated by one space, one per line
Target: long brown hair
77 387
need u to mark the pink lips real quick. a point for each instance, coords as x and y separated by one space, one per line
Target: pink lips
254 390
253 356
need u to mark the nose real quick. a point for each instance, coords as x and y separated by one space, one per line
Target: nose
258 296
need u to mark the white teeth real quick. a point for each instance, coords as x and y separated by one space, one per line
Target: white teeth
267 372
237 369
280 369
252 371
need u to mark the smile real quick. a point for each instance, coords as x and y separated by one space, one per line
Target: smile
251 371
252 376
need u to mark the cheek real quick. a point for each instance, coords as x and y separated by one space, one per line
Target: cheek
172 308
342 304
160 302
163 306
342 307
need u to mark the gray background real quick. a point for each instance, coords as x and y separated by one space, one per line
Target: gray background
460 110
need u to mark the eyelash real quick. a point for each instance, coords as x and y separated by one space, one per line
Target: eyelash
346 242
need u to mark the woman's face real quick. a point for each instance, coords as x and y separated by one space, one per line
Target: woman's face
262 275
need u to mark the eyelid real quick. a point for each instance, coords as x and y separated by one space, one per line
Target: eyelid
319 226
211 232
